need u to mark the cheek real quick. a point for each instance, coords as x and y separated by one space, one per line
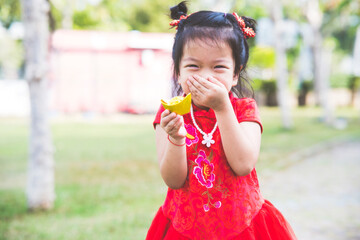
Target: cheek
228 80
183 77
185 88
182 82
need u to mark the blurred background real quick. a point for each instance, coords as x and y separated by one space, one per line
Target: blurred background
77 154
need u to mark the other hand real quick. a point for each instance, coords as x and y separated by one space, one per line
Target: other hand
173 125
208 92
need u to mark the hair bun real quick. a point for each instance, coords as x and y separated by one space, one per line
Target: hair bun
249 22
178 10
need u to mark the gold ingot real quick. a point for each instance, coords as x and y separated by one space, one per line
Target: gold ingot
179 105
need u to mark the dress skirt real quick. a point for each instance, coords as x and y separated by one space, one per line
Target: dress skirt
268 224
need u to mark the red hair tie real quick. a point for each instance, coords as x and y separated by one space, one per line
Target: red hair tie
248 31
174 23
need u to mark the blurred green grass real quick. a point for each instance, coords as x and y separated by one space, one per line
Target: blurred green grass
107 181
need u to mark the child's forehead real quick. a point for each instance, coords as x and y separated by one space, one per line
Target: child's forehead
205 43
206 50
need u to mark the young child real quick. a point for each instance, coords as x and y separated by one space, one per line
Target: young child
213 187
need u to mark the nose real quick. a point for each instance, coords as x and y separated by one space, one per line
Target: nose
205 73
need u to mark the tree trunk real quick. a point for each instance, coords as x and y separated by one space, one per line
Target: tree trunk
317 51
281 66
324 86
40 186
322 61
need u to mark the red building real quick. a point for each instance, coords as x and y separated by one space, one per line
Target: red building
109 72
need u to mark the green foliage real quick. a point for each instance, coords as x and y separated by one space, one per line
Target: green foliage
253 9
344 38
85 19
354 83
339 80
256 84
292 55
303 90
149 16
114 15
11 57
340 22
306 86
263 57
10 11
55 17
109 15
269 87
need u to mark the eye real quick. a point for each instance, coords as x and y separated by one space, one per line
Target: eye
220 66
191 66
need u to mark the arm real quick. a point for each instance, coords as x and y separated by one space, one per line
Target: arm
172 158
241 141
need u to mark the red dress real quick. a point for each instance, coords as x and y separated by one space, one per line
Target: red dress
214 203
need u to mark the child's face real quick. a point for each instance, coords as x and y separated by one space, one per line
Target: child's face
207 59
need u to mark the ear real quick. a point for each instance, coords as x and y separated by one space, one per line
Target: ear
235 80
236 77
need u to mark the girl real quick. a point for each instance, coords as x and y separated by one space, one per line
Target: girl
213 188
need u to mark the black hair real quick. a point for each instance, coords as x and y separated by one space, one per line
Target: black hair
219 27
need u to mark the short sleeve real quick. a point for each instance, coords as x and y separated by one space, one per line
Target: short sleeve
247 111
158 116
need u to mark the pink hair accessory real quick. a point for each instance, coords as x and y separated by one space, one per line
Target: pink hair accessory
249 32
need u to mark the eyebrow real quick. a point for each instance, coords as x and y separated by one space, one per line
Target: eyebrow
190 59
220 60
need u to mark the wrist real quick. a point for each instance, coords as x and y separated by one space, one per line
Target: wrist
177 141
223 107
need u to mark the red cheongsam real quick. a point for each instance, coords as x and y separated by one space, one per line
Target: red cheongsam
214 203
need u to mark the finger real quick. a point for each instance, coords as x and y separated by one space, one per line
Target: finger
177 124
193 89
203 82
165 113
197 84
166 117
215 81
174 125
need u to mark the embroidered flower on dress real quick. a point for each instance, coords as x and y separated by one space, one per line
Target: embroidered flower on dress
217 204
192 131
204 171
206 207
